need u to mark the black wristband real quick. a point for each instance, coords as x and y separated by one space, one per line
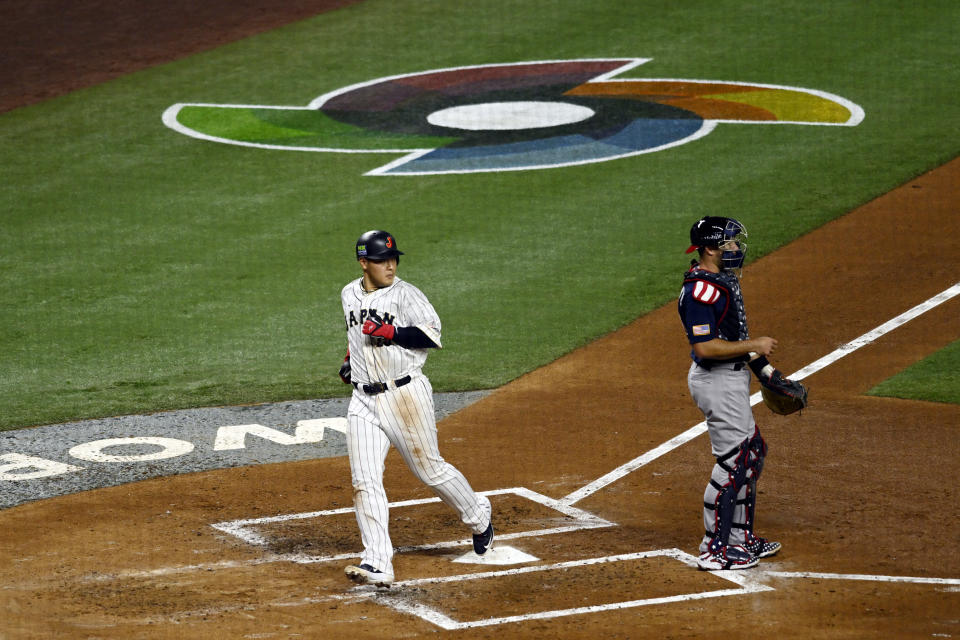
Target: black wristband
757 365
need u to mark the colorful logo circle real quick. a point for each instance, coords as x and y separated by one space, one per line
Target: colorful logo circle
510 117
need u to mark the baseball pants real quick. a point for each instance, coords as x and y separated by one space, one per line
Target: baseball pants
404 418
723 395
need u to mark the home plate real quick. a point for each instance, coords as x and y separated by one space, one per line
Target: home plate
497 555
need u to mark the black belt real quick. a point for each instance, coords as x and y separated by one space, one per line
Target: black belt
374 388
710 364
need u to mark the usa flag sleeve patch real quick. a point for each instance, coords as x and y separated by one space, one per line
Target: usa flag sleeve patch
701 330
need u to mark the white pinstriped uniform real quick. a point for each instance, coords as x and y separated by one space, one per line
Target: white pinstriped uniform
401 416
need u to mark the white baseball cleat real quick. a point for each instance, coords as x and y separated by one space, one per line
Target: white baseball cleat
365 574
724 557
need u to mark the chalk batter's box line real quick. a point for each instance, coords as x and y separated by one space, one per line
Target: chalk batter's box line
747 582
744 584
245 529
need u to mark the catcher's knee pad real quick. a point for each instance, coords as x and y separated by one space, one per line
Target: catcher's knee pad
721 497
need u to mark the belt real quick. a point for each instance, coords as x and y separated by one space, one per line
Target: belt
710 364
374 388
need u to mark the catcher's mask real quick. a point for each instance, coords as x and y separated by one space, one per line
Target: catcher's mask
377 245
723 233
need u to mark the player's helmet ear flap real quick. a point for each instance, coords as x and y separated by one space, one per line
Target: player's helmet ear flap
377 245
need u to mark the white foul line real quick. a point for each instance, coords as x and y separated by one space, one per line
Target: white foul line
700 428
861 576
870 336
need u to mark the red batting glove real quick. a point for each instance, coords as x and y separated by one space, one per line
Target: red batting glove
345 369
377 329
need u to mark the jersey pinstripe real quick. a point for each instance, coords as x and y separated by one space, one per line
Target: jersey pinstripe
402 305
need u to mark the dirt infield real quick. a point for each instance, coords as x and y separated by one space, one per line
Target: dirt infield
855 487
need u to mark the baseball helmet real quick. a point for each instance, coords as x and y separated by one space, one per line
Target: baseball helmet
713 231
377 245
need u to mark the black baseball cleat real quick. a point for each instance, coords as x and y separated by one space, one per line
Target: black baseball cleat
761 547
483 541
365 574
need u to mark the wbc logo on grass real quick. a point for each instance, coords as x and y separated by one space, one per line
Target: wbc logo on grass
510 117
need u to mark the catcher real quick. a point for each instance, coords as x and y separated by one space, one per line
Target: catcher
711 309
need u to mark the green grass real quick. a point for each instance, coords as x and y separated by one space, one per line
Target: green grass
145 270
935 379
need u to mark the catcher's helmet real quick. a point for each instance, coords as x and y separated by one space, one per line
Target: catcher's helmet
713 231
377 245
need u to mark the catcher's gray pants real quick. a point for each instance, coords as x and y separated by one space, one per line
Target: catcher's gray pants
402 417
723 395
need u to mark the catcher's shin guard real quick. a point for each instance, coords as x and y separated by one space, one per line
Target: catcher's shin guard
721 499
756 453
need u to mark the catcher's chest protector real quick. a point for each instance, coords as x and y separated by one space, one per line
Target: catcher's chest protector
722 291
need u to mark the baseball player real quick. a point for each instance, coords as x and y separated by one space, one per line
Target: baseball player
711 309
391 326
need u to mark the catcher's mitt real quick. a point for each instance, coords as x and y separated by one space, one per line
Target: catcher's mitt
782 395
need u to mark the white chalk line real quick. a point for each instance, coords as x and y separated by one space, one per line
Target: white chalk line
243 529
437 546
861 576
177 616
186 568
756 398
449 624
535 569
748 583
744 586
